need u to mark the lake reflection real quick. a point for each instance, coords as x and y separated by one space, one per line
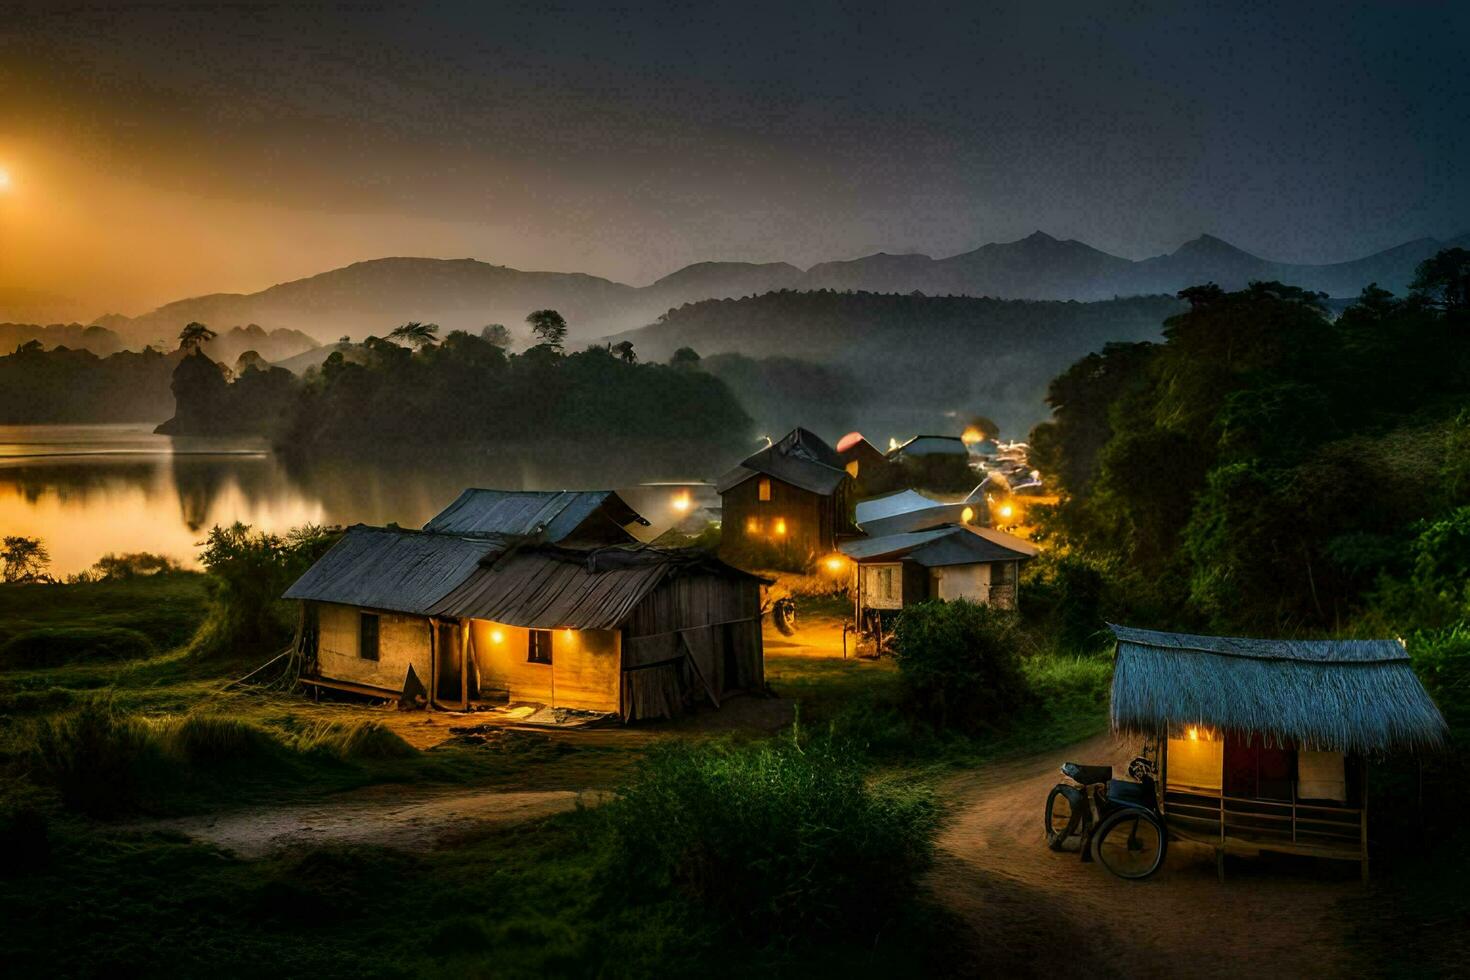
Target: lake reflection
89 490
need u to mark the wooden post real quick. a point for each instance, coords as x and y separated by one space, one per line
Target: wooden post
464 666
1363 818
433 662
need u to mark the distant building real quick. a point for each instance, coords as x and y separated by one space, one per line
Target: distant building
529 597
892 571
795 494
920 446
909 510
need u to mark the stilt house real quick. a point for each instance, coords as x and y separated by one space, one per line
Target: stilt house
1263 742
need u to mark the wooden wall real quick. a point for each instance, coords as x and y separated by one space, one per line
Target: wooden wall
402 640
584 671
811 519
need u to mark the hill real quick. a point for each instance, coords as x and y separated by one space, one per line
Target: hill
374 296
916 362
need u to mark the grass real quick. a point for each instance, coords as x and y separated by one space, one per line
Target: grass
165 608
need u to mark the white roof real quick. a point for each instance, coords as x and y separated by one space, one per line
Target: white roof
903 502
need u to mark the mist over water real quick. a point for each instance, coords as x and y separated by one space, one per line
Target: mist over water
87 490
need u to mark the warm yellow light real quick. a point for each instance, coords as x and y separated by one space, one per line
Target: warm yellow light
569 633
1193 734
1006 510
496 636
967 515
971 436
780 527
752 525
4 179
892 443
835 564
682 502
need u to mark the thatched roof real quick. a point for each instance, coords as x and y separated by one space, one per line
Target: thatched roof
1343 695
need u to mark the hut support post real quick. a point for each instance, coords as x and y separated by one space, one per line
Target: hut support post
1363 819
433 662
464 666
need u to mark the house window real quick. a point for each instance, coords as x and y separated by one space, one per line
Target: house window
538 646
763 489
367 636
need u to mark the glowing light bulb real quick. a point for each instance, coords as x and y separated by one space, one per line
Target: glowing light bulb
496 636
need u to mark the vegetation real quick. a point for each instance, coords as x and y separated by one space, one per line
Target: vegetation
961 662
53 647
23 559
65 385
1267 468
248 571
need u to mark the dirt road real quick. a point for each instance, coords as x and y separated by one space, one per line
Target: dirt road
385 815
1018 897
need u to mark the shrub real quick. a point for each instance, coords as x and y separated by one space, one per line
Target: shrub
359 740
775 840
95 757
55 646
960 662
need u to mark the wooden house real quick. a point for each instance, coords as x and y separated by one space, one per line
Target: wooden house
475 618
552 516
1263 742
952 561
909 510
794 495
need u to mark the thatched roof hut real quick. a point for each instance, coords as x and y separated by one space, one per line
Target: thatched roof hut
1262 743
1345 695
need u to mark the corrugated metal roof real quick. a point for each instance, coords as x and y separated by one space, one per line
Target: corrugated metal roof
949 545
392 569
902 502
554 588
551 515
934 515
932 446
800 458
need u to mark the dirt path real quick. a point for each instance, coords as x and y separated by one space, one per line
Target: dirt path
384 815
1018 897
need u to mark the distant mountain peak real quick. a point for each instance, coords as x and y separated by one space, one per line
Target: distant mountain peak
1038 236
1210 245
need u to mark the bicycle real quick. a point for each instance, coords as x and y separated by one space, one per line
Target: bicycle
1117 821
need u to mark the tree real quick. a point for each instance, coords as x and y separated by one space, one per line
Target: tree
415 334
496 335
25 559
1444 279
624 350
549 328
685 358
344 340
194 336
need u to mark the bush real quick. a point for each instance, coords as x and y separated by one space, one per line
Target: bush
961 662
95 757
776 840
52 647
360 740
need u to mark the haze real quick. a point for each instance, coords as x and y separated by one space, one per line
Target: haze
163 153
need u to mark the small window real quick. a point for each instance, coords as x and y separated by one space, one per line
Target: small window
763 489
367 636
538 646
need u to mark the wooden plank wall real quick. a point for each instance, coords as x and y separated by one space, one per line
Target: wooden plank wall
584 672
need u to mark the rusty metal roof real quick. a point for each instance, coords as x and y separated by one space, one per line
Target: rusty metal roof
550 515
554 588
392 569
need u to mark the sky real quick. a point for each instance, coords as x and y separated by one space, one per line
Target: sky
160 151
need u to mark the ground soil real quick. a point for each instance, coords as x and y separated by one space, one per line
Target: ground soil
1019 900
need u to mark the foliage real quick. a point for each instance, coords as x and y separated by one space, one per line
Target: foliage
208 402
781 393
25 559
496 335
416 334
1063 594
466 390
776 841
194 336
51 647
1445 280
1266 467
133 564
247 572
961 662
549 328
167 609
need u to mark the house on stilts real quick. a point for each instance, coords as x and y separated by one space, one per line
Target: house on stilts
529 598
1263 743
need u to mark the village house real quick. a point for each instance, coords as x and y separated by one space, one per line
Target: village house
795 495
951 561
1263 742
509 597
909 510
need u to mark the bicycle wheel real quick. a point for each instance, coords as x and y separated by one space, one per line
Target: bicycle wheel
1062 816
1130 843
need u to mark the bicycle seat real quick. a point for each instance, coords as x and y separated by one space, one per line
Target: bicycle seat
1128 793
1087 775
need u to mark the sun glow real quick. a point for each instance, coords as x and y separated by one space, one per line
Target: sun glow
4 179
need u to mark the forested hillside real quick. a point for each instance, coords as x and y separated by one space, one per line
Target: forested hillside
73 386
1268 469
914 358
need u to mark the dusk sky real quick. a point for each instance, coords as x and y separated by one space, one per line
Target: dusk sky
167 152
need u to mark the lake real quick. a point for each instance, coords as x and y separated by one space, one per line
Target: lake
87 490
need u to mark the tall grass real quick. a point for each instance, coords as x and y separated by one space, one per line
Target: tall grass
776 840
105 761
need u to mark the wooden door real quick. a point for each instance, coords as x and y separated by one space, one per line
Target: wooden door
448 664
1256 769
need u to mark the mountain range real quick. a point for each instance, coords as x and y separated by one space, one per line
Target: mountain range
373 296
